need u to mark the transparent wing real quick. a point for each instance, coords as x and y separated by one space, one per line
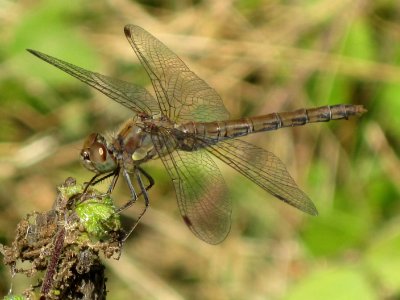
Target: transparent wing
134 97
200 190
183 96
265 169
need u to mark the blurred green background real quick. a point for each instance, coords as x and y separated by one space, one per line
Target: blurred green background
261 56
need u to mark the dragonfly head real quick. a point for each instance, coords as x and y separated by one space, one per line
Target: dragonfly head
95 155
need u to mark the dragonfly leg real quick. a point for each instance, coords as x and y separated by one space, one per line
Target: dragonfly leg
134 196
91 182
143 191
138 170
95 180
113 182
148 177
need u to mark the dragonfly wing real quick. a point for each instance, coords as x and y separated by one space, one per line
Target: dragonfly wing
200 190
265 169
134 97
183 96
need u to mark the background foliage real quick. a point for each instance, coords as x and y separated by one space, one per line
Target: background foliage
261 56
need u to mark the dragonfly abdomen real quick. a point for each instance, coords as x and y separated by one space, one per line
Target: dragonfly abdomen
299 117
303 116
217 130
221 130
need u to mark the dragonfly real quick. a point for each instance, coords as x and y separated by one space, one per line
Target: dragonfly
186 125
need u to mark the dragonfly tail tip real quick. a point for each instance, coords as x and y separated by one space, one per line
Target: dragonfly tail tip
360 109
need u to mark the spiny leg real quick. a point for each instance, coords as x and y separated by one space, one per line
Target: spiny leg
113 182
134 196
91 182
95 180
143 191
133 199
114 173
148 177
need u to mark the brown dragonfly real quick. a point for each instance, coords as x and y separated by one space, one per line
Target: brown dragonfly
185 123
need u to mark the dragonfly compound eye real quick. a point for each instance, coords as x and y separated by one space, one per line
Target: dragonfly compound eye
98 152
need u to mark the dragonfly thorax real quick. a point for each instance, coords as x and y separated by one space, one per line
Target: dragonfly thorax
134 144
